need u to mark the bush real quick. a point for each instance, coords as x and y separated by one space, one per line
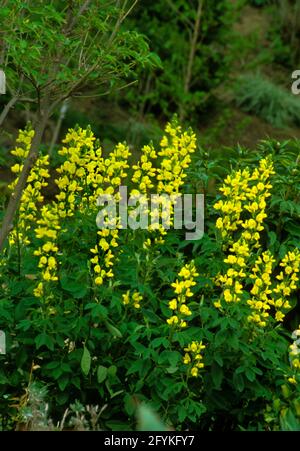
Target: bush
118 317
176 87
263 98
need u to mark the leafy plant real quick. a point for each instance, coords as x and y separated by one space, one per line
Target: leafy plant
51 54
126 317
190 39
260 96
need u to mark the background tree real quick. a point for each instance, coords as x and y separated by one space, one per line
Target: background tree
190 38
53 51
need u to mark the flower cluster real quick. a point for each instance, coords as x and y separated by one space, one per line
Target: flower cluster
114 171
243 213
287 278
193 357
32 194
181 311
133 299
144 170
103 256
75 171
71 183
245 202
83 176
267 294
182 288
175 157
176 150
234 190
260 302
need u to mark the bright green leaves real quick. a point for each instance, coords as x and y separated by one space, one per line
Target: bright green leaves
86 361
101 374
44 340
113 330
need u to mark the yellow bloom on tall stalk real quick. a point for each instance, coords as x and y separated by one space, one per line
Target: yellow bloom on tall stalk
261 300
174 156
193 357
133 299
176 150
241 224
244 193
32 194
114 171
70 186
182 288
243 213
287 282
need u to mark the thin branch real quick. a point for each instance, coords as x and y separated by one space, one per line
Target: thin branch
120 21
192 54
193 46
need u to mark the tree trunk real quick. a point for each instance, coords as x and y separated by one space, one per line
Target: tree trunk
16 196
6 109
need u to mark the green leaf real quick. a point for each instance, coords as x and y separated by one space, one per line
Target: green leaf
217 375
86 361
289 422
135 367
250 375
238 381
112 371
44 340
171 357
129 404
113 330
172 369
160 341
101 374
63 382
182 413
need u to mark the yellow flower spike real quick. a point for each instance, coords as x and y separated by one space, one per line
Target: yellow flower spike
247 193
31 195
133 300
182 289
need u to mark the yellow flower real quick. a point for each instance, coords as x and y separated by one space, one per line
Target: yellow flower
185 310
194 371
173 320
99 280
173 304
186 359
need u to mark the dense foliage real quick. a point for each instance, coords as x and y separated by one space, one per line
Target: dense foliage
105 315
117 327
187 76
